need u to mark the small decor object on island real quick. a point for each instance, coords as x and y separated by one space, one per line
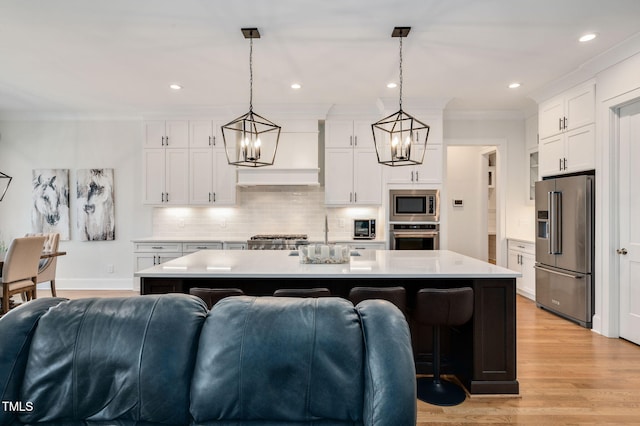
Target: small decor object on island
324 254
95 205
50 194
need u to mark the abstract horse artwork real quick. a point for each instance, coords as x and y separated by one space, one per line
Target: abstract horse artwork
50 196
95 207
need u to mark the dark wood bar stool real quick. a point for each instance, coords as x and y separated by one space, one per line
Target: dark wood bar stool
302 292
211 296
438 308
395 295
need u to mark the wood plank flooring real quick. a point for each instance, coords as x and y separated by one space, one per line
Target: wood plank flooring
568 376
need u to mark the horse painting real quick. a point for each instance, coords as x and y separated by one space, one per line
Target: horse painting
95 209
50 213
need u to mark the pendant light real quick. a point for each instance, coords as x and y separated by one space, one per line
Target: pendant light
400 139
5 180
250 140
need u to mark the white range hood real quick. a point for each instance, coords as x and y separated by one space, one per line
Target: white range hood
296 163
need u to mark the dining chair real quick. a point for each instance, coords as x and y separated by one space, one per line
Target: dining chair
47 267
20 269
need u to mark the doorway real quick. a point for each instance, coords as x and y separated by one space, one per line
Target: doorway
629 228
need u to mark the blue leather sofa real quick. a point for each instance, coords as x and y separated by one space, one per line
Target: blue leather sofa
166 360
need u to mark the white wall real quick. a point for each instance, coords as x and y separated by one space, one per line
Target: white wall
73 145
465 225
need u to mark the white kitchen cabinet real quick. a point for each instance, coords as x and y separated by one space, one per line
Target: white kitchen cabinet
212 181
349 134
522 259
367 245
568 152
166 176
192 247
166 134
573 109
204 134
352 177
430 171
150 254
234 245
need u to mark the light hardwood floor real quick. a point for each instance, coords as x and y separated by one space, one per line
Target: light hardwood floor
568 376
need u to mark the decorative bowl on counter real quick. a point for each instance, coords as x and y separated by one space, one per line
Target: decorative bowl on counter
323 254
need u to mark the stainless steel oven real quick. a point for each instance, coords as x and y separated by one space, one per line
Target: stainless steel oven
414 236
414 205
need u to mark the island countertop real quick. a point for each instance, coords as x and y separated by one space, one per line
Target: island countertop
367 263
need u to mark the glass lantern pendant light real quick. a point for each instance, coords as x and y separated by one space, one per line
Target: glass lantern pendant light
398 137
5 180
250 140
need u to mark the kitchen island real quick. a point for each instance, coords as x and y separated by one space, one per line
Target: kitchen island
483 351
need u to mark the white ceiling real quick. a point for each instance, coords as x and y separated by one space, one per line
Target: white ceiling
119 56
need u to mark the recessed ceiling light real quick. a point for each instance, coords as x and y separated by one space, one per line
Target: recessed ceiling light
175 86
587 37
514 85
296 86
392 85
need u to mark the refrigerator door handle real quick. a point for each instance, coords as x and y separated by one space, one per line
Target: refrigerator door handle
551 271
555 222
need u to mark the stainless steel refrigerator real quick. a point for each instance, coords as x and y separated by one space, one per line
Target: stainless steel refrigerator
565 247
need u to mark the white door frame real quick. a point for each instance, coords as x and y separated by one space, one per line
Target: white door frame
606 320
501 199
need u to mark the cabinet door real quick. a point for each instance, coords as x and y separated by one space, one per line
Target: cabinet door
528 280
430 171
367 177
338 134
144 261
363 135
153 176
551 155
200 175
550 116
224 178
201 134
177 134
338 176
580 149
154 134
580 106
177 176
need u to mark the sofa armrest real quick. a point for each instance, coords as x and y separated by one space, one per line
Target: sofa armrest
390 376
16 332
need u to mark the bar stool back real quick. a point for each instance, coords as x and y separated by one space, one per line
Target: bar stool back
438 308
302 292
395 295
211 296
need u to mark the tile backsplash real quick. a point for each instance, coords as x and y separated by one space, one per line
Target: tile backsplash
262 210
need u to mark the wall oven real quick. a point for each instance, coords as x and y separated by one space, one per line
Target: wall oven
414 236
414 205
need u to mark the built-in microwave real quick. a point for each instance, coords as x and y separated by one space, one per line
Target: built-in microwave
364 229
414 205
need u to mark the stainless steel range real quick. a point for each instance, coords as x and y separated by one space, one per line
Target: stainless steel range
277 241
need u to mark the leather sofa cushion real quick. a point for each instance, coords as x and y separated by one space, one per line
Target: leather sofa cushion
279 359
121 361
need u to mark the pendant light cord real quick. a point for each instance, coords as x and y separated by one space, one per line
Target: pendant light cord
251 74
401 73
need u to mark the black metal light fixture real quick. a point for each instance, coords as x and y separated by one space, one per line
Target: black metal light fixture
5 180
398 137
250 140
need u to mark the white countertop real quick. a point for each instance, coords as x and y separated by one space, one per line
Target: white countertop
370 263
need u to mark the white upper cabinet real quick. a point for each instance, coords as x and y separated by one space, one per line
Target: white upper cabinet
348 134
430 171
166 176
571 110
166 134
567 132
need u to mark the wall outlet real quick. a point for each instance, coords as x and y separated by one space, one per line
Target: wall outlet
110 268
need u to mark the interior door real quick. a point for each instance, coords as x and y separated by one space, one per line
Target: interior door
629 250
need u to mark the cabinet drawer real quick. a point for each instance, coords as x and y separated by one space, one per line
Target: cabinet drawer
521 246
193 247
158 247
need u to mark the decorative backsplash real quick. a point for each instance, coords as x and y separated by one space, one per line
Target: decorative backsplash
262 210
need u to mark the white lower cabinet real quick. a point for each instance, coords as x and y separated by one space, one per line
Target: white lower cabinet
367 245
147 255
522 258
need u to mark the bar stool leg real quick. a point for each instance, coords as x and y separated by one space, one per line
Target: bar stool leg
437 390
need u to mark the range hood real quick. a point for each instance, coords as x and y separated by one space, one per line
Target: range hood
296 163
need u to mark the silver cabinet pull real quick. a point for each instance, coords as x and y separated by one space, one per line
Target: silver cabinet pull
210 140
214 197
412 176
355 138
564 123
622 251
167 197
351 197
209 197
350 140
417 176
355 197
560 164
166 140
559 123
